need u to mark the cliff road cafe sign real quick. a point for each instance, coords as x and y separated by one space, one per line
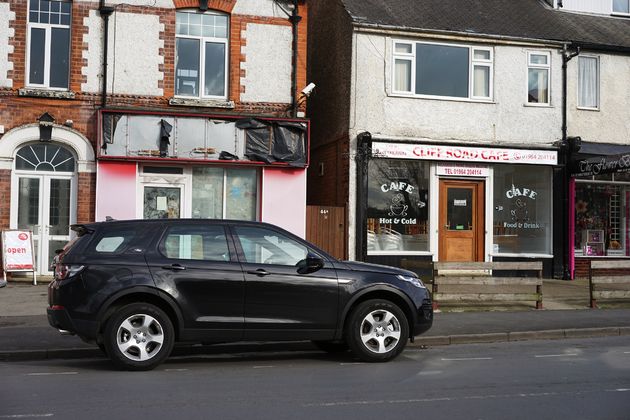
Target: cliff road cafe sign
463 154
601 165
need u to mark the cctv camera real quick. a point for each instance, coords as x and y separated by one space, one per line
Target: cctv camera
308 89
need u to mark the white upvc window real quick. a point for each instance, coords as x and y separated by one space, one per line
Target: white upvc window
588 82
538 77
48 49
443 71
621 7
202 52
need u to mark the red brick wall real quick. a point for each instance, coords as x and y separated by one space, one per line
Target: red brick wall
5 203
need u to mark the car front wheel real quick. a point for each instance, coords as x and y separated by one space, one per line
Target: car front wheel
139 336
377 331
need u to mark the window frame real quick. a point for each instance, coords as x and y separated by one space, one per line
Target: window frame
598 83
614 12
47 27
472 63
547 67
202 55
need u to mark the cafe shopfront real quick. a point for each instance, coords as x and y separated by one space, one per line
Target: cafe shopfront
458 203
600 205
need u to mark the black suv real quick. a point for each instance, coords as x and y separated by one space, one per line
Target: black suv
136 287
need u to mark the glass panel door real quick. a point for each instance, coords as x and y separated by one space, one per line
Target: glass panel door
44 207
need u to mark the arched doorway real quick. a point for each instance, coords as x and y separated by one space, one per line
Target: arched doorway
44 197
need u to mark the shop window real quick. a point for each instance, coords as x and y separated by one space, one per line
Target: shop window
229 193
442 70
522 209
601 219
48 50
398 203
621 6
201 55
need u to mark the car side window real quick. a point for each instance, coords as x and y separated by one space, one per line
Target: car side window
265 246
196 242
115 241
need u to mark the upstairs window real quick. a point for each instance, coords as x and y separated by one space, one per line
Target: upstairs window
538 69
201 67
48 51
621 6
588 82
442 70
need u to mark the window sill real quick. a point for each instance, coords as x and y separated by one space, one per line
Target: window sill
528 105
581 108
441 98
206 103
521 255
46 93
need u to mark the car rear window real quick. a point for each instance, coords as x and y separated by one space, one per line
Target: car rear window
116 239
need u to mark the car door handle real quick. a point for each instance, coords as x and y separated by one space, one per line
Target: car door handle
260 272
174 267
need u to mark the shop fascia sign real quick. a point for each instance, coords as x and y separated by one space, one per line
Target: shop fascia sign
601 165
463 153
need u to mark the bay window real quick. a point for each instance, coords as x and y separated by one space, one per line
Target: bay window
48 50
442 70
201 68
621 6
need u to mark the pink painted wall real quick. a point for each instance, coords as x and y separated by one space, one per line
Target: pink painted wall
115 190
284 199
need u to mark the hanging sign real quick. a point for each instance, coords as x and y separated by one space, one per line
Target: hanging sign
17 250
463 153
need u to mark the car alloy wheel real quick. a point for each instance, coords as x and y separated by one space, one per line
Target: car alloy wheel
377 330
380 331
139 336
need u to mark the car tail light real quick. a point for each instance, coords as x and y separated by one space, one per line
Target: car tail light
64 271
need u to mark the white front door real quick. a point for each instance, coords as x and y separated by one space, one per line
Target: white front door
44 200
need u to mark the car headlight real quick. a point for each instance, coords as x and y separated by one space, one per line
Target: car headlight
413 280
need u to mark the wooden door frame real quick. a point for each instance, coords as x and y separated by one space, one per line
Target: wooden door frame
479 188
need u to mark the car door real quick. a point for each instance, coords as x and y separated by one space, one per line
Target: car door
196 264
280 302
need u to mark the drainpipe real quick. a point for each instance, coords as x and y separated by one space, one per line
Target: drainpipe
294 19
105 12
565 152
362 157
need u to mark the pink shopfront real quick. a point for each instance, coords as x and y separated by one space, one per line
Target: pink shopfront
154 165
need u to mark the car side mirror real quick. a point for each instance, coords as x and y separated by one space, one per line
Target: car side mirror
310 264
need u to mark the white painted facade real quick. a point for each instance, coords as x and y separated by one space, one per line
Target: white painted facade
133 54
268 64
5 49
609 123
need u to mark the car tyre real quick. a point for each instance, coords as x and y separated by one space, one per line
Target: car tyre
377 330
332 346
139 336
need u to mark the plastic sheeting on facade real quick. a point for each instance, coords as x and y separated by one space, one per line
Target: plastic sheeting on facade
277 141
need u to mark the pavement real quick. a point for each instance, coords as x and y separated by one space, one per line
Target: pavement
26 335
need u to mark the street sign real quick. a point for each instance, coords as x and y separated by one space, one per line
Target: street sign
17 253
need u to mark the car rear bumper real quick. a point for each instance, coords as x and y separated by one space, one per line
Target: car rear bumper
59 319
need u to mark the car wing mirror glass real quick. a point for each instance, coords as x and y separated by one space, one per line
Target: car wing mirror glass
310 264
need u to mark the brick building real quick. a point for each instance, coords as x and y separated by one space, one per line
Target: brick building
180 108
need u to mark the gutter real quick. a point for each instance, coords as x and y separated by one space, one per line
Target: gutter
295 20
105 12
453 35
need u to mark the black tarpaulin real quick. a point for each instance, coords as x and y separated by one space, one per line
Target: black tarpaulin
165 135
274 142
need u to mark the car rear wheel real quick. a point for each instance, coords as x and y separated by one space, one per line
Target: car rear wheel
377 331
139 336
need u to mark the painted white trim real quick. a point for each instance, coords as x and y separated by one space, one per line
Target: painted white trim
69 137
